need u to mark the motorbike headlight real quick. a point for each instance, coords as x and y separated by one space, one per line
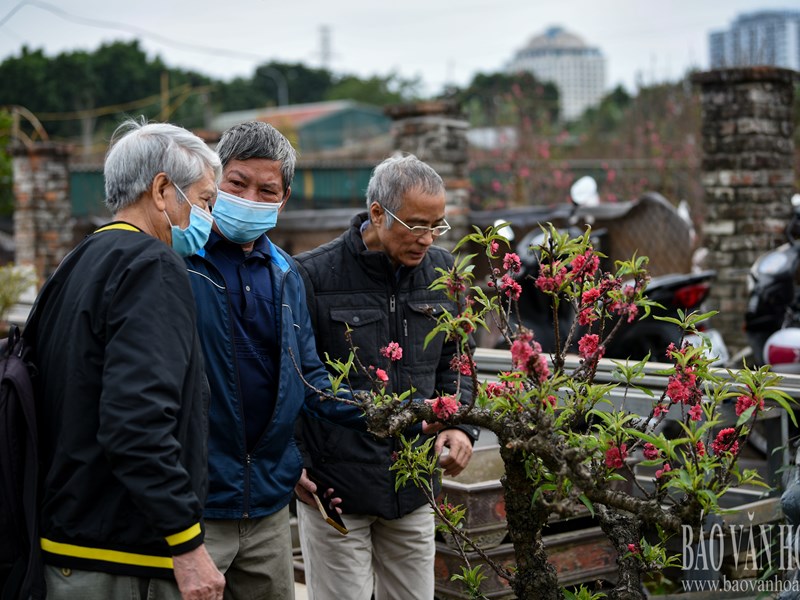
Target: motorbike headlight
772 263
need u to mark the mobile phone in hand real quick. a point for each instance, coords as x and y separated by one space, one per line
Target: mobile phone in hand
329 513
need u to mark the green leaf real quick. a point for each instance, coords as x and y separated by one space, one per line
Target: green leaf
587 503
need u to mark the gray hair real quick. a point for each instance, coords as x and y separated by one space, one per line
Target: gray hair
139 151
256 139
397 176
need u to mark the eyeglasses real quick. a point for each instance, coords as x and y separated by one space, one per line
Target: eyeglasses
420 230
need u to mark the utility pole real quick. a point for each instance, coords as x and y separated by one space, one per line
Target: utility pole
325 47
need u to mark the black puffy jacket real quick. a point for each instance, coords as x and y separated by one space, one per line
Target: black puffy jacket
349 285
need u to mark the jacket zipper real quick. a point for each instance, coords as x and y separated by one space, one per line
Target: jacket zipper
396 364
246 482
283 276
246 491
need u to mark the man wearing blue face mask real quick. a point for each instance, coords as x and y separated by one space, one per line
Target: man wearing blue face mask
121 387
256 336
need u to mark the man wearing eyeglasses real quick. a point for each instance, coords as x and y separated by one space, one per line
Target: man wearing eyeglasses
373 281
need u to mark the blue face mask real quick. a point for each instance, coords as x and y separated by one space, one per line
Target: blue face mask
187 242
242 221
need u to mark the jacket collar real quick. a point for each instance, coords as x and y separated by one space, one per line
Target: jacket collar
263 246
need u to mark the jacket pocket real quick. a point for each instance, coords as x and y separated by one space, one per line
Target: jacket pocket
356 317
367 326
422 319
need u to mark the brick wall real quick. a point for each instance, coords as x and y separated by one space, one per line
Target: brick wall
748 176
436 132
43 223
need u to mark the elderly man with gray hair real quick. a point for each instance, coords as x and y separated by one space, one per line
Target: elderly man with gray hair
121 386
369 288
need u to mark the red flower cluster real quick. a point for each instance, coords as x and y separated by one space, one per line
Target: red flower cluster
585 265
726 441
510 286
625 308
682 386
701 448
456 285
444 406
526 355
446 508
588 312
650 451
462 364
615 456
589 347
511 262
590 296
495 389
665 469
551 277
696 412
745 402
634 548
392 351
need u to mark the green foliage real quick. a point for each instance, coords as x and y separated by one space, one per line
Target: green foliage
377 90
80 94
415 463
305 84
582 593
471 578
13 283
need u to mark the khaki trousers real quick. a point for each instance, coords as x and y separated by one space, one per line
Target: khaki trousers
74 584
255 555
392 557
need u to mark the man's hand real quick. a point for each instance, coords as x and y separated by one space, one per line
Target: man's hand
197 576
431 428
305 487
460 447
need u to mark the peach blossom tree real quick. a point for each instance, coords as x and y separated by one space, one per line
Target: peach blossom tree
568 443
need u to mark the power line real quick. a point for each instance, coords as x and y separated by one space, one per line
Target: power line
278 77
102 24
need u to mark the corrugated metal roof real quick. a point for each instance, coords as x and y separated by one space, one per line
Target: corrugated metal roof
292 115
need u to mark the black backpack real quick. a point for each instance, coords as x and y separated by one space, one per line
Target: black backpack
21 573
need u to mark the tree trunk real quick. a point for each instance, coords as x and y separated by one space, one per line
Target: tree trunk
622 529
535 576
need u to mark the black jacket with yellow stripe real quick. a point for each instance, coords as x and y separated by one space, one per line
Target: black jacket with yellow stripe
122 408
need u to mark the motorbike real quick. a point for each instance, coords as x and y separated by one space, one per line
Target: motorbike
772 319
635 340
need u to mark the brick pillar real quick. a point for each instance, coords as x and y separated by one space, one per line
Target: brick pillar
42 206
748 174
436 132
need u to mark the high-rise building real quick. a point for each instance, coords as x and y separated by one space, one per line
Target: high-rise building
563 58
766 37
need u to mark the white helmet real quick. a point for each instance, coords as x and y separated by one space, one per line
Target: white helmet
584 192
782 350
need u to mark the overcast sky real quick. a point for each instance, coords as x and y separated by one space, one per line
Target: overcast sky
441 41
